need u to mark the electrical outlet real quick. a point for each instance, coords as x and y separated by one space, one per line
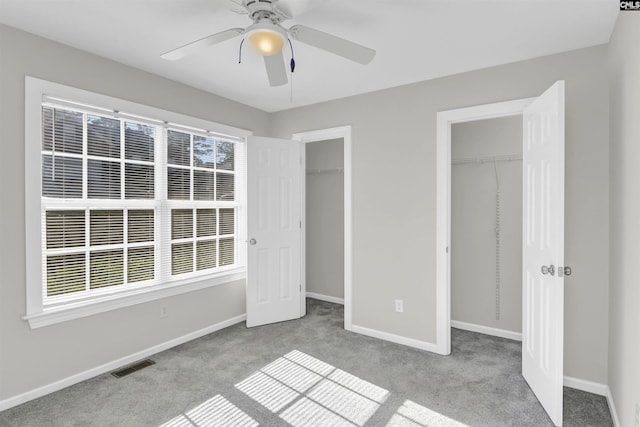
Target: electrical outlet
164 311
399 306
637 414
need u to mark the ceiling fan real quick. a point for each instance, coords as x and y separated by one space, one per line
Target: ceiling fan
267 37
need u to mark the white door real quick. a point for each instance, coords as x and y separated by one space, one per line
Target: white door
273 230
543 249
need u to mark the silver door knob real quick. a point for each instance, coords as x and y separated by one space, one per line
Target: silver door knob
548 270
253 241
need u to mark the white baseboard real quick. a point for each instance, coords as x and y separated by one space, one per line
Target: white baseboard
99 370
584 385
502 333
327 298
398 339
612 408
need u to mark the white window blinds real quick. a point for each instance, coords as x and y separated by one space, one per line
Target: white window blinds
130 203
202 202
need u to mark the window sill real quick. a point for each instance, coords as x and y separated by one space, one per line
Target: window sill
71 311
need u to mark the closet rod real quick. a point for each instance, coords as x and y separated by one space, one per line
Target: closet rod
315 171
492 159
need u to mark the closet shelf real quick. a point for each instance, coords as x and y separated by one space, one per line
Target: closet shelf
492 159
320 171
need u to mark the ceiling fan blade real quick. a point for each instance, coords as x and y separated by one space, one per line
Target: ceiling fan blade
237 6
333 44
193 47
276 72
294 8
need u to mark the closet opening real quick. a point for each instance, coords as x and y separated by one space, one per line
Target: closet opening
486 226
326 213
324 220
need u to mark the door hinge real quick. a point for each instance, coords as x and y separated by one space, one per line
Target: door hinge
300 224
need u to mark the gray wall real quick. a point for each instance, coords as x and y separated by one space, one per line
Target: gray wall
473 224
55 352
325 218
394 193
624 308
393 206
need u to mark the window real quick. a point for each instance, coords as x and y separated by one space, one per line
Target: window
94 237
131 207
201 183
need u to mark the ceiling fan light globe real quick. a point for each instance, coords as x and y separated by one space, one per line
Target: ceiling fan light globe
265 41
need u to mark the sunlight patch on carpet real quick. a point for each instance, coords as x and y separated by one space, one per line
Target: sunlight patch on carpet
411 414
305 413
305 391
215 412
267 391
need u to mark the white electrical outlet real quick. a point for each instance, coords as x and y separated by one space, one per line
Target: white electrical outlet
164 311
399 306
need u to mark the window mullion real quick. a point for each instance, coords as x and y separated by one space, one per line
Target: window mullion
85 196
217 237
122 167
192 181
163 213
192 240
85 163
125 208
87 248
125 249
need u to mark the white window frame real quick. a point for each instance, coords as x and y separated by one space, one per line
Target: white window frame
37 313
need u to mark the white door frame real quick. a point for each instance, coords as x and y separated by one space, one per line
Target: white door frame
443 203
343 132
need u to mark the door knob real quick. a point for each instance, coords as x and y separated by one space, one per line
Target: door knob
548 270
253 241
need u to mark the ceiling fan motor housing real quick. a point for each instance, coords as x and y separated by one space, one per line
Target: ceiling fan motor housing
263 9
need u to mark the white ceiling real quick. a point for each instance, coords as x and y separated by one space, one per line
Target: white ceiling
415 40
